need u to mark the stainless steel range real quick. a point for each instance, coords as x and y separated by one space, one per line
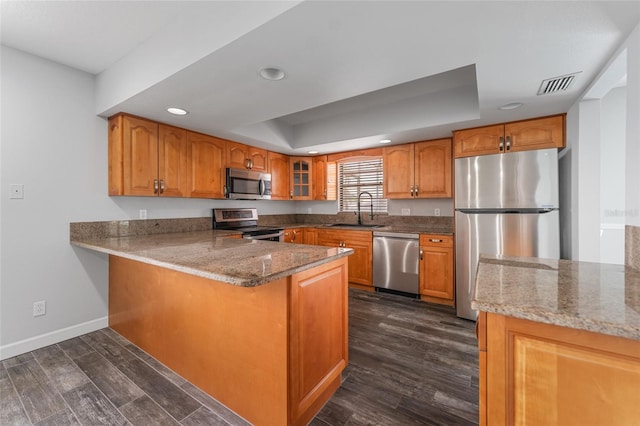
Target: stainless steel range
246 221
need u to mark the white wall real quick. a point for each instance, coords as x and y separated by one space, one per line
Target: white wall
580 162
54 144
569 188
589 181
613 119
632 152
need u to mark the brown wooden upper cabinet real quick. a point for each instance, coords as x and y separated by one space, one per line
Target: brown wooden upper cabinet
240 156
301 184
418 170
206 166
324 178
538 133
280 176
146 158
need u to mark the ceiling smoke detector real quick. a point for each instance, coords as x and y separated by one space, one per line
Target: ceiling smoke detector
557 84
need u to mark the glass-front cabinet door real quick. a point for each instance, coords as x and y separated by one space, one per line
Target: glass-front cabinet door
301 178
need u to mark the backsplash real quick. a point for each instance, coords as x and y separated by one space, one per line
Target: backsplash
123 228
443 222
632 247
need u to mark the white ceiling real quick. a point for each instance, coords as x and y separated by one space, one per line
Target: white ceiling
356 71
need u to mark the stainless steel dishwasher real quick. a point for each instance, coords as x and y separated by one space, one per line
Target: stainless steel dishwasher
395 261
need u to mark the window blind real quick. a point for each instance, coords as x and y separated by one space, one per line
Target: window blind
355 177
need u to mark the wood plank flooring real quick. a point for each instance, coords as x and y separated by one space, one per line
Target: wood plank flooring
411 363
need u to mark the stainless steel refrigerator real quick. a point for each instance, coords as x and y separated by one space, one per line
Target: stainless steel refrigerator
505 204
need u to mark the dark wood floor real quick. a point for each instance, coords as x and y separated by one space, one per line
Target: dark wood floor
410 363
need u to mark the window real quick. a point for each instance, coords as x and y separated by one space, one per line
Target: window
355 177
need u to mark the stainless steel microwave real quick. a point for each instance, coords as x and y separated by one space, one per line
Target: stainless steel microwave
248 185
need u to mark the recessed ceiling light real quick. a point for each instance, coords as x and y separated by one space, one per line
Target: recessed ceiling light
271 73
312 152
177 111
385 141
512 105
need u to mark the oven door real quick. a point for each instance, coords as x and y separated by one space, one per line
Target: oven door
277 236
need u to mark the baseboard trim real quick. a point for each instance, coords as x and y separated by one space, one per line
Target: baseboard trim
51 338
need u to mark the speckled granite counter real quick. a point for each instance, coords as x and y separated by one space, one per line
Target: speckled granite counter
601 298
209 254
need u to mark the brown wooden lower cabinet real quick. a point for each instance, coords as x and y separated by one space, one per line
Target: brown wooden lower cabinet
272 353
540 374
361 261
293 235
437 269
310 236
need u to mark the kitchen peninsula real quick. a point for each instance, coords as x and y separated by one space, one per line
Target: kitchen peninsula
559 342
260 326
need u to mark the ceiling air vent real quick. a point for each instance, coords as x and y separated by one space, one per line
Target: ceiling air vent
557 84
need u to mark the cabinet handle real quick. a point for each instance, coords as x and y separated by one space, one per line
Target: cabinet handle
434 240
415 192
411 192
325 193
291 195
421 254
508 143
501 144
155 186
162 186
293 237
225 190
248 163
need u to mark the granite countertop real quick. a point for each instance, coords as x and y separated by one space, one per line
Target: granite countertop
209 254
596 297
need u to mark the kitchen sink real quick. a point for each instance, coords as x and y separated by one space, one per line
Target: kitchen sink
354 225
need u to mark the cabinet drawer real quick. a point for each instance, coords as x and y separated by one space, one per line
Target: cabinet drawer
436 240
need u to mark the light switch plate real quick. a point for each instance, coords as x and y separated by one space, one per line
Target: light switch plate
16 191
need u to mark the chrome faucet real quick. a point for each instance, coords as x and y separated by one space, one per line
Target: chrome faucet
371 214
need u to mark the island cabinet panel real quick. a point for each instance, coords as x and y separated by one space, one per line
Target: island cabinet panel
206 172
545 374
272 353
318 353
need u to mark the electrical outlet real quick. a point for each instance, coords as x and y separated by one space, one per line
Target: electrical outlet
405 212
437 212
39 308
142 214
16 191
